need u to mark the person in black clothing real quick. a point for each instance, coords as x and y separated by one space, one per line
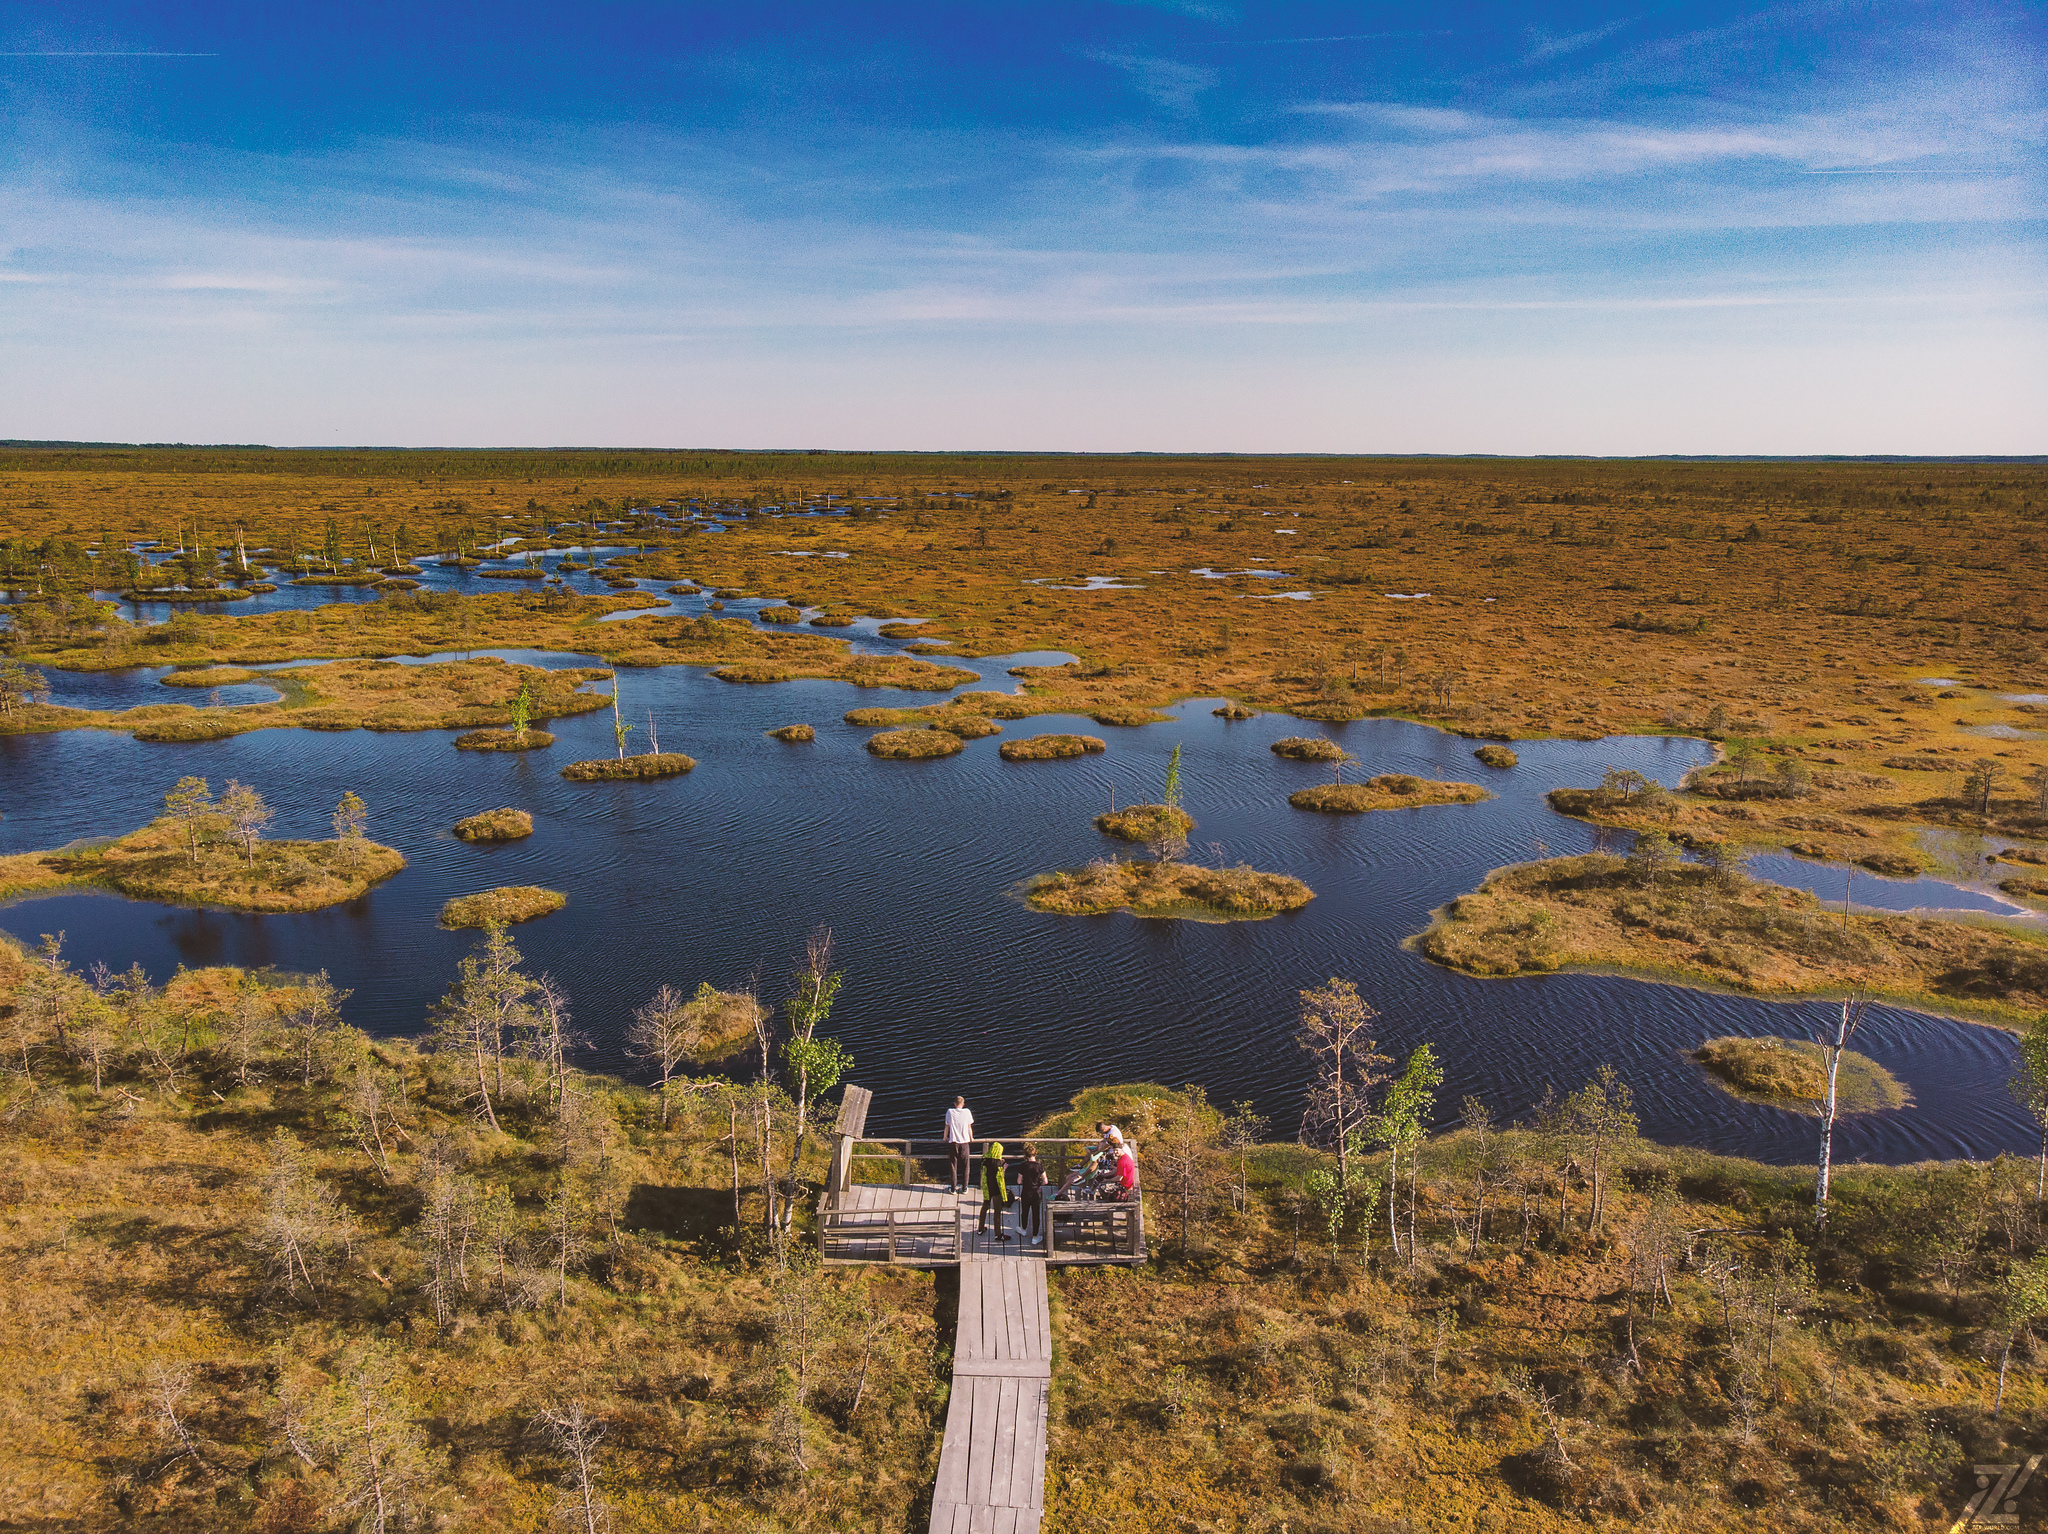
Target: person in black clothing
1030 1175
995 1187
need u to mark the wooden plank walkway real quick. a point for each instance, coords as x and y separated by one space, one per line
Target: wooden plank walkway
992 1463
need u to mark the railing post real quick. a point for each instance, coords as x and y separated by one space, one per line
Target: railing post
892 1235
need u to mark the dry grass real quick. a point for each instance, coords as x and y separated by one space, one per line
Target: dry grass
1696 926
1167 889
794 734
1497 756
1051 748
1389 791
503 906
154 863
501 825
610 769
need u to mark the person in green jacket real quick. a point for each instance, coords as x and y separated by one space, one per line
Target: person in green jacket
995 1188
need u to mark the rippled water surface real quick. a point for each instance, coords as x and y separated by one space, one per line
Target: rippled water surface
954 985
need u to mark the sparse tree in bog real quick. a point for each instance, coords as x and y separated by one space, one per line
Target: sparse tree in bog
1242 1129
20 686
2029 1088
815 1063
1651 856
45 1001
1400 1126
664 1033
1336 1034
359 1428
302 1223
2023 1301
247 816
190 803
351 825
485 1007
575 1435
312 1012
1981 782
1834 1041
247 1023
1600 1118
1186 1163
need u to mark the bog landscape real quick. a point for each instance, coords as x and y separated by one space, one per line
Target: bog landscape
1567 941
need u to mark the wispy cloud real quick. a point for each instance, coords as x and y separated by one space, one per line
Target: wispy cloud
1551 46
1168 82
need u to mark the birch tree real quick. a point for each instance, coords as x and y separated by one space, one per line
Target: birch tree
815 1064
1834 1042
1402 1123
2029 1087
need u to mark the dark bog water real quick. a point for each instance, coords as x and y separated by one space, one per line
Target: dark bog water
954 985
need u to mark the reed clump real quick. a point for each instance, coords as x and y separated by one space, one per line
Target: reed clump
1388 791
502 907
1146 823
626 769
1497 756
755 673
780 614
1792 1074
1234 711
914 745
1052 748
793 734
501 825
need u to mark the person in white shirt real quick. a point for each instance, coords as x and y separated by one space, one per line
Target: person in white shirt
959 1139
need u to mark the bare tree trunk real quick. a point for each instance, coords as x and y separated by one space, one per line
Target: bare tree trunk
483 1089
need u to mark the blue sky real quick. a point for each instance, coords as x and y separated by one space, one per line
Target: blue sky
1180 225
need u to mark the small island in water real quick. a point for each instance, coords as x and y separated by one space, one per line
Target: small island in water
1163 887
202 858
1792 1074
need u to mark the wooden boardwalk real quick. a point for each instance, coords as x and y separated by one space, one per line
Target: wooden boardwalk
992 1463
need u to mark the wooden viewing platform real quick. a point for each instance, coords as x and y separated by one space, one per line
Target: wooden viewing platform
992 1461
